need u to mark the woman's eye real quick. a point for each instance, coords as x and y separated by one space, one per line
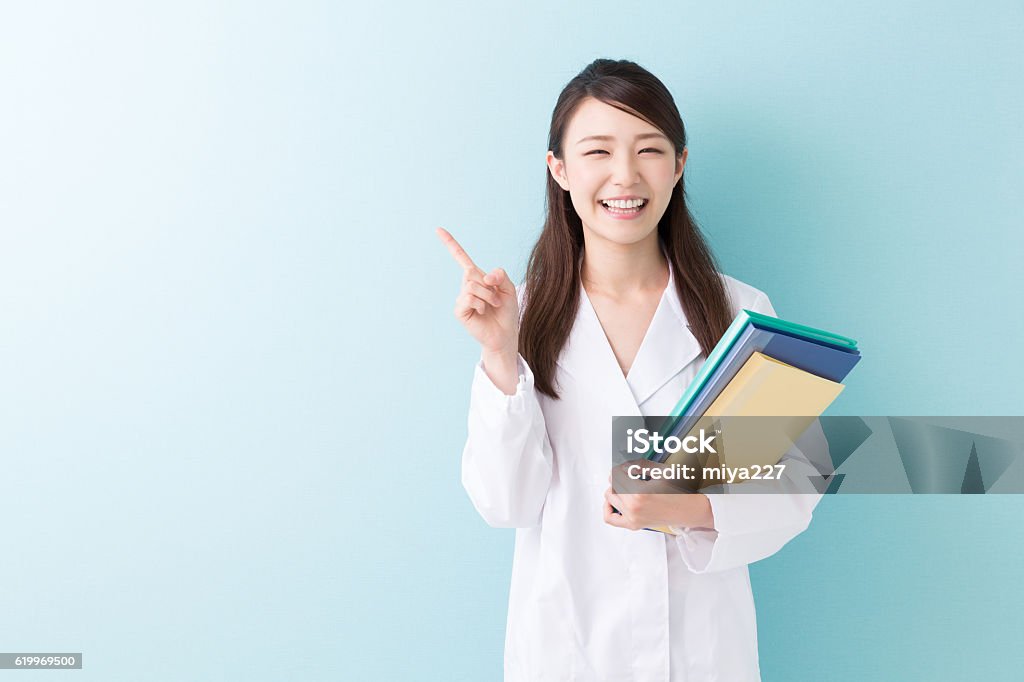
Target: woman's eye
602 151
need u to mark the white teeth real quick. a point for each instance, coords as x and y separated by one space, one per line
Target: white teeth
625 203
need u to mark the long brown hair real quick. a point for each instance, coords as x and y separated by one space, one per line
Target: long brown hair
552 278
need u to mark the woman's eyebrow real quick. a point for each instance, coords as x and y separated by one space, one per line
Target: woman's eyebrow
608 138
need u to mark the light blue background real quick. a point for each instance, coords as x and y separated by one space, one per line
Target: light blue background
233 395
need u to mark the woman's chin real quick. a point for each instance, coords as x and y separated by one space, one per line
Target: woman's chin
622 234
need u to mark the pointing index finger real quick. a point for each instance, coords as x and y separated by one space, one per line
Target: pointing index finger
458 253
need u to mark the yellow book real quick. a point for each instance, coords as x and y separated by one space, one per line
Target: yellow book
764 387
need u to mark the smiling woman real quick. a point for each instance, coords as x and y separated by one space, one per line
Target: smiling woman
621 303
617 150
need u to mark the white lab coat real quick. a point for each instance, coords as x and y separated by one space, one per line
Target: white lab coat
590 601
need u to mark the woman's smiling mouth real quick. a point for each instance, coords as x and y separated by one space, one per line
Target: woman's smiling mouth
623 209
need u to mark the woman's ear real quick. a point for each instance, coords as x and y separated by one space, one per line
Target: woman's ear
557 168
680 162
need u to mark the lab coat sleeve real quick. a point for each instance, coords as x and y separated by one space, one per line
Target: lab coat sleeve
507 461
752 526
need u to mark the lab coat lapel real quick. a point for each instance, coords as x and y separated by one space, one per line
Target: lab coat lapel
589 359
667 348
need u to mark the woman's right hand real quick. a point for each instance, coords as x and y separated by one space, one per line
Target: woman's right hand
487 305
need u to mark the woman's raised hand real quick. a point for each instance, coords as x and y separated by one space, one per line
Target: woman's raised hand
487 305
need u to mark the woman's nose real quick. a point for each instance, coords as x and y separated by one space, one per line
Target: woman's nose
624 171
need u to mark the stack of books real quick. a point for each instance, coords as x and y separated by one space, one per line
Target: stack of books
762 367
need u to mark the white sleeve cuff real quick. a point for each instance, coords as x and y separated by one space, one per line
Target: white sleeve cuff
493 399
696 546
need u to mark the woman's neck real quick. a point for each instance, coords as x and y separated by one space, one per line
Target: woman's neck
617 270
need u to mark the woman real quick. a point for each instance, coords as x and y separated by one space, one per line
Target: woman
622 302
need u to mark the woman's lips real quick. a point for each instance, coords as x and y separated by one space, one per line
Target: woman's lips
624 213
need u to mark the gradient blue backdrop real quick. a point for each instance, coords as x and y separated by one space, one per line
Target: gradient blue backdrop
233 395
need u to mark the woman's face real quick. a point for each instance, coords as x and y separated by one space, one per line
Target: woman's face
619 171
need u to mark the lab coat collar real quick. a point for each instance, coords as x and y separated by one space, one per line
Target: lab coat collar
667 348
